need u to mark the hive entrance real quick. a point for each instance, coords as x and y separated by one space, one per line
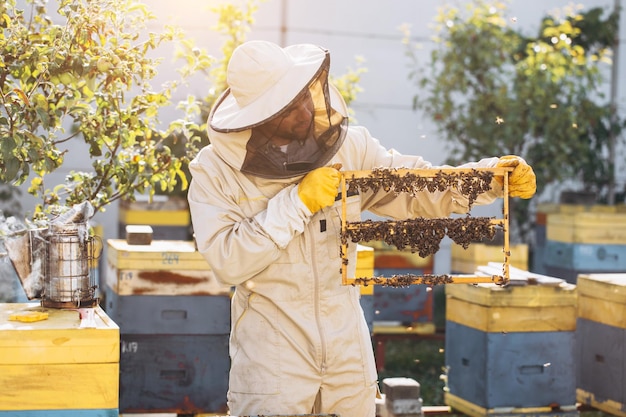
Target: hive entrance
423 235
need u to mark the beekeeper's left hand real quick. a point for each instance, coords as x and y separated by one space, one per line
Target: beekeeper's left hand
522 181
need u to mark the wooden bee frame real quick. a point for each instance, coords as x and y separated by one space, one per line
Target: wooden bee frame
411 174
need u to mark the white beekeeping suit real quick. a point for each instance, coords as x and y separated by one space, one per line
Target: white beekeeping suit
265 217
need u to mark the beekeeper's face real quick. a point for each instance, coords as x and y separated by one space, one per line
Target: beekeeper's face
293 123
303 136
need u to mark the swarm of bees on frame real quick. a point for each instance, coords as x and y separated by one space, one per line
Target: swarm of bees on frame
471 183
421 235
404 280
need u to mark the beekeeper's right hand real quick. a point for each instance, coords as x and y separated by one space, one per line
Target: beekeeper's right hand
318 188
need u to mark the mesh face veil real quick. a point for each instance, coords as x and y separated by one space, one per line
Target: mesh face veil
320 143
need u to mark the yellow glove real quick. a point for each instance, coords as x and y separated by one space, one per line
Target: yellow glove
522 180
318 188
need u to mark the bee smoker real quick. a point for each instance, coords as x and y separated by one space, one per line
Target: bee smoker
53 262
68 282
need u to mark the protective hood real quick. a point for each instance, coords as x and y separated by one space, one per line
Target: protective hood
234 123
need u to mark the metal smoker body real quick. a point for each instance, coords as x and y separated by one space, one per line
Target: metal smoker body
68 282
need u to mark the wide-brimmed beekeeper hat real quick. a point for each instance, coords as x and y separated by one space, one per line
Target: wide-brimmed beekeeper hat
263 79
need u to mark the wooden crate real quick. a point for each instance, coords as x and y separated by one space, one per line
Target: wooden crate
511 348
56 367
165 267
601 342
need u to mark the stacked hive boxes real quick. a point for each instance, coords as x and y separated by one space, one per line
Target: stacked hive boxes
601 342
399 312
585 242
59 366
541 219
510 350
412 305
174 321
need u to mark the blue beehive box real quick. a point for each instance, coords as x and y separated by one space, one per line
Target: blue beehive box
601 342
510 350
174 314
596 257
404 305
567 260
173 373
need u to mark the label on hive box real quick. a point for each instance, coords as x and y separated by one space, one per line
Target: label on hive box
159 254
163 282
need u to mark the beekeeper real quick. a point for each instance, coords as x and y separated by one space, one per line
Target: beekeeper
266 217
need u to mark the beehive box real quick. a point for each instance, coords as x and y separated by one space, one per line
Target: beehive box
165 267
169 217
182 374
601 342
395 308
587 227
402 306
568 260
55 367
388 257
511 348
465 261
541 218
365 269
546 209
173 314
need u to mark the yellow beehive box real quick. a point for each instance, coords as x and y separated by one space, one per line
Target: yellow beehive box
60 362
388 257
365 267
587 227
602 298
528 308
160 254
162 211
165 267
466 261
544 209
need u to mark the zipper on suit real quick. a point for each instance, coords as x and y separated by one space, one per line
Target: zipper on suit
316 301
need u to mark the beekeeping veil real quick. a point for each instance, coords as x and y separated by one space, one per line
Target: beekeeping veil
264 80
